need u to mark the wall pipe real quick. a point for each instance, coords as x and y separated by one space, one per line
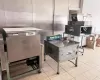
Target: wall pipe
81 6
53 17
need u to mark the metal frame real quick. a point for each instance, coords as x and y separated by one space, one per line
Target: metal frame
81 47
0 71
57 56
8 70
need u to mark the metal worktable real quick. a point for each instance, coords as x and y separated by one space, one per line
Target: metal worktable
61 51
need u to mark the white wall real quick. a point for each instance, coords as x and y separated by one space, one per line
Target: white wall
92 7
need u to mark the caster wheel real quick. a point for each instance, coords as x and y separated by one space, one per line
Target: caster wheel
39 71
44 59
75 65
58 73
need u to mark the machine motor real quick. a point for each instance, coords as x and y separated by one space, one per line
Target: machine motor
33 62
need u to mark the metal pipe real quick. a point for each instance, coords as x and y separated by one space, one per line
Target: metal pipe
32 13
81 6
53 17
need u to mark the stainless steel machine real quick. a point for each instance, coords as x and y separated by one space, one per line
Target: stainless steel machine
77 28
20 50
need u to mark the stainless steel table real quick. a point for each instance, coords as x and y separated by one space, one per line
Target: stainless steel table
61 51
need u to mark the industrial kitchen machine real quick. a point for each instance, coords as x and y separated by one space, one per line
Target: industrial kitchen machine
19 53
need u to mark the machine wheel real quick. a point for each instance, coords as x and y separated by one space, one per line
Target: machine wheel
58 73
39 71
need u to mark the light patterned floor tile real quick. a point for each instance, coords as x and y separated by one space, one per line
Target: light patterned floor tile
91 64
97 78
97 68
53 65
50 73
88 68
77 71
67 65
89 75
47 69
63 76
41 76
80 77
56 78
73 79
66 76
31 77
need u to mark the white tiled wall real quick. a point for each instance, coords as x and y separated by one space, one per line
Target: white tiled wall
92 7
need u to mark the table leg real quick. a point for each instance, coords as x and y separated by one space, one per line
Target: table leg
8 72
0 71
63 35
40 64
44 56
58 68
76 62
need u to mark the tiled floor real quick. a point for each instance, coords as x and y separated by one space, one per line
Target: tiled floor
88 68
